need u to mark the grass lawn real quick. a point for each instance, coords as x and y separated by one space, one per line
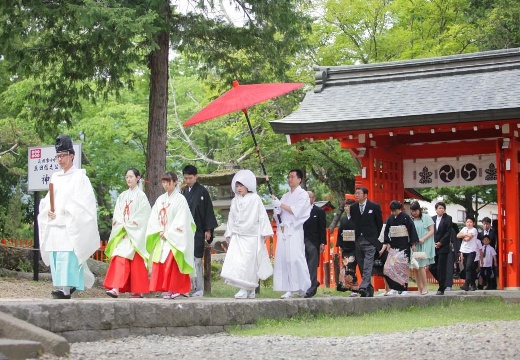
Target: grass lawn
387 321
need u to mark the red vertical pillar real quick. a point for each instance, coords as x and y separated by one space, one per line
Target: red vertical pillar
509 205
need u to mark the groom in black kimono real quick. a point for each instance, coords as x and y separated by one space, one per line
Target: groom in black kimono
201 209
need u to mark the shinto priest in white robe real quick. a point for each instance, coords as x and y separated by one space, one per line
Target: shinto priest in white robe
290 266
75 227
248 224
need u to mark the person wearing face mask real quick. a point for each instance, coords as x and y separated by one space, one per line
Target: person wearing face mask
67 223
126 247
247 227
169 240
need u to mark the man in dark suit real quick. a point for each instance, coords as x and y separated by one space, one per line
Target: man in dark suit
441 235
314 230
493 240
368 218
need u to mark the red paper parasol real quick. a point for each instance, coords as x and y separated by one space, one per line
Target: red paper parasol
240 97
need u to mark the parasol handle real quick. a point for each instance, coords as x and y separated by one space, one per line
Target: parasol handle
51 195
257 148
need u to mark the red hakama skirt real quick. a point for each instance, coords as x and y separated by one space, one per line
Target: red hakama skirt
167 277
127 275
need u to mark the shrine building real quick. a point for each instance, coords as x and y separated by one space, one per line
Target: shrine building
445 121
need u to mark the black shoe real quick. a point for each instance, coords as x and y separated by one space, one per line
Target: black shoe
55 292
472 288
59 294
307 296
439 292
464 287
362 292
370 292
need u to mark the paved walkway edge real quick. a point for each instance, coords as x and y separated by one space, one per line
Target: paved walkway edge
79 320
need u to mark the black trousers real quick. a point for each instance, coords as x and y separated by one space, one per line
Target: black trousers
469 266
438 270
312 255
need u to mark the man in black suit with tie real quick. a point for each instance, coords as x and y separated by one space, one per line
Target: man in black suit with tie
441 236
314 229
493 239
368 218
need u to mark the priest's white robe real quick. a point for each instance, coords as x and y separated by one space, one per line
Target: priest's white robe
75 227
290 266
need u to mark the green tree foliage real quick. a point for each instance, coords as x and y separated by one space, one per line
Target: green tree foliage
499 21
13 219
113 138
360 31
85 49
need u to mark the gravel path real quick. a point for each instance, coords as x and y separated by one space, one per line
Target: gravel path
498 340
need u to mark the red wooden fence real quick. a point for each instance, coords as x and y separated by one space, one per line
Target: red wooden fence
325 258
28 244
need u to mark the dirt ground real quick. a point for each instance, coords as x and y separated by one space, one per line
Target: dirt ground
22 288
16 285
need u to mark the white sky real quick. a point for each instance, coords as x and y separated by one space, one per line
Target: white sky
185 6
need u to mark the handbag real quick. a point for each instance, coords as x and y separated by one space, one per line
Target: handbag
414 264
419 255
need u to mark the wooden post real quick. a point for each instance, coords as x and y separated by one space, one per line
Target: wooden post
326 273
36 237
207 268
336 263
51 196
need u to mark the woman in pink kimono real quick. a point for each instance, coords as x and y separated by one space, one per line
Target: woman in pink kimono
247 227
127 244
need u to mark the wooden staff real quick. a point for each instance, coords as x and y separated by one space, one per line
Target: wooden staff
51 195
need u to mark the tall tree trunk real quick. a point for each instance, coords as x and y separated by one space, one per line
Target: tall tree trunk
157 120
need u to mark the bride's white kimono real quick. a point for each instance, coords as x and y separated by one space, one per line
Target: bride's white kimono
246 259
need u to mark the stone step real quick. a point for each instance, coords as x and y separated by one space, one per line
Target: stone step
19 349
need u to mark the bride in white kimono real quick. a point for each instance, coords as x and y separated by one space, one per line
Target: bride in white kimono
247 227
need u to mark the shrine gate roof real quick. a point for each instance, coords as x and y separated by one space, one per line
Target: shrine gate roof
459 89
